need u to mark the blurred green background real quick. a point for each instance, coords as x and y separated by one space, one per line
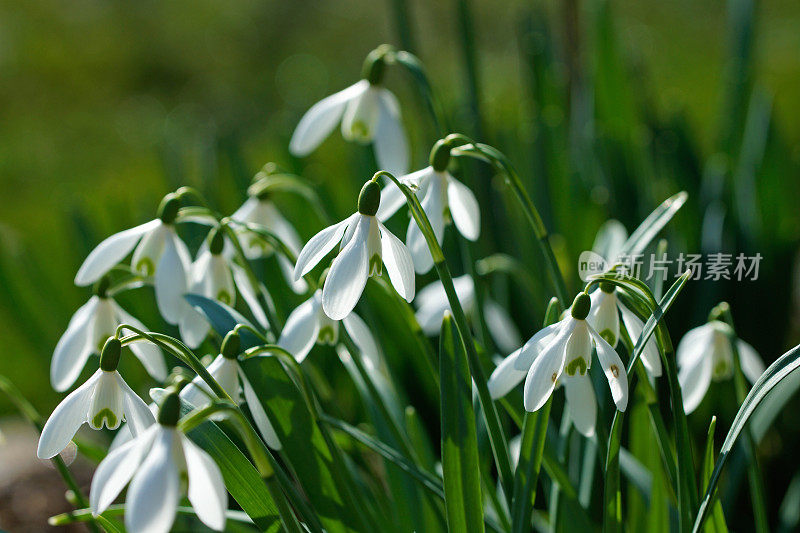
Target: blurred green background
605 107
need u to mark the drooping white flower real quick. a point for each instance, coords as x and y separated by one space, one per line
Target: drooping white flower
369 113
160 253
561 354
88 329
259 210
308 325
432 302
105 399
366 244
443 198
705 353
160 464
604 317
226 371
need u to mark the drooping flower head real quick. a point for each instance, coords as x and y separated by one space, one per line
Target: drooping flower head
91 325
366 245
432 302
561 354
159 253
368 112
226 371
705 353
442 197
604 317
161 464
104 400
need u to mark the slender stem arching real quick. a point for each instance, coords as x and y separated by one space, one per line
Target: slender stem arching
501 162
497 437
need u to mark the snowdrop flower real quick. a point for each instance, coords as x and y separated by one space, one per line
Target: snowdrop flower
105 399
561 354
432 303
604 317
160 465
369 113
88 329
442 197
365 244
226 371
308 325
705 353
260 211
160 253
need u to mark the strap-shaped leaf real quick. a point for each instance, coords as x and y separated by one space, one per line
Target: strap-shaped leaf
785 366
654 223
460 460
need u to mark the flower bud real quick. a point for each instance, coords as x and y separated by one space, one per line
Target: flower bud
102 286
231 345
168 210
440 155
216 241
607 287
170 410
369 199
581 306
109 356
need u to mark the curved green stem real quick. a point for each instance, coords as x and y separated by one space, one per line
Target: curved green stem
501 162
497 438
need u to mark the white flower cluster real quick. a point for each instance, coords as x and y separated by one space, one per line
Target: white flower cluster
161 463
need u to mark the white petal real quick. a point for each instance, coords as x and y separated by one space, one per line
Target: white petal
694 380
695 344
148 353
609 240
281 227
299 286
193 327
245 212
147 253
300 332
259 415
463 208
614 370
752 365
108 397
651 358
171 282
536 344
362 336
361 114
154 493
117 468
206 492
504 332
391 145
392 198
110 252
249 295
73 348
319 245
398 263
137 413
581 403
348 275
319 121
505 377
66 418
604 316
545 371
433 205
